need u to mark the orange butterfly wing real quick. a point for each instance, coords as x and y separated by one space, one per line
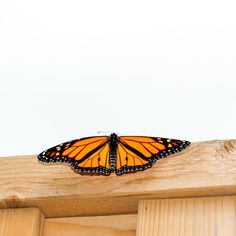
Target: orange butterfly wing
139 153
86 155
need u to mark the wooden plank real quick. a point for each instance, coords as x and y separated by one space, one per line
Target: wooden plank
115 225
21 222
203 169
187 216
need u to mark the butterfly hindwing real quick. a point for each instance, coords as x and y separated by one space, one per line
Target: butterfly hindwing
139 153
86 155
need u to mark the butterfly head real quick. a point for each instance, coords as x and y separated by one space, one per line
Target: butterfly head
113 138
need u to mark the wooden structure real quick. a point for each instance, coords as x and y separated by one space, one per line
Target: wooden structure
189 193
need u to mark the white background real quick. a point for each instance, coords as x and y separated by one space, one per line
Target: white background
71 68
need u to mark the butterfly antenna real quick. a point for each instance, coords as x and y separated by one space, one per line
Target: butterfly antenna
108 131
119 133
104 132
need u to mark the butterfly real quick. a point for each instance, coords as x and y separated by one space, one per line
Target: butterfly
106 154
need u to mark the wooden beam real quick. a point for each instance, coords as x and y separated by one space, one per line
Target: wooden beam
114 225
187 216
203 169
24 221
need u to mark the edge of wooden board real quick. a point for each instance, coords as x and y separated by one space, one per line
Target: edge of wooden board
203 169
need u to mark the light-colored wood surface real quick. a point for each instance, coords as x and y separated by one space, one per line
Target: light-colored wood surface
118 225
187 217
21 222
203 169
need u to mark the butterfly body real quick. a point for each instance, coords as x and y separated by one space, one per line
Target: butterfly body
113 144
113 153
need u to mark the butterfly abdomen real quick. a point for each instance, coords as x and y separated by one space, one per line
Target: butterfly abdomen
113 143
112 161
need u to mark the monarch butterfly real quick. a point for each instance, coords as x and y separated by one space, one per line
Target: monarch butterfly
106 154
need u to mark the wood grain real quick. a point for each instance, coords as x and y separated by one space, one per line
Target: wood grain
187 217
203 169
116 225
21 222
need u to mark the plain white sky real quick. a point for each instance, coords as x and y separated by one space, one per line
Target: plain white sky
71 68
